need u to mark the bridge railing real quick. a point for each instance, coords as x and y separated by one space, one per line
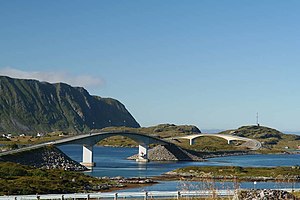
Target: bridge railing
132 195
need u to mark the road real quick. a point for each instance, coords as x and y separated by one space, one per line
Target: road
37 146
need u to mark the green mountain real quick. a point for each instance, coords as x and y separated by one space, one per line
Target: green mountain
30 106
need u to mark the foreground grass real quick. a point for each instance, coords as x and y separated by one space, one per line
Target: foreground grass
296 194
20 179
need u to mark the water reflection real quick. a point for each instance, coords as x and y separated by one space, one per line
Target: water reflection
142 166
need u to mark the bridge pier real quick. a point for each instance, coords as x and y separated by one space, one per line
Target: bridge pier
192 141
143 153
87 156
229 141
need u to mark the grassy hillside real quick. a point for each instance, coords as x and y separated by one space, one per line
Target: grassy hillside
162 131
30 106
271 139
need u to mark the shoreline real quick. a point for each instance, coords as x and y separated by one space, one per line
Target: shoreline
234 174
228 179
126 183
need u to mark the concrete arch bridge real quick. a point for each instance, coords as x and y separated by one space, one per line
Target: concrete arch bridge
250 143
89 140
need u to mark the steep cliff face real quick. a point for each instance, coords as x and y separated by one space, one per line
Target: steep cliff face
30 106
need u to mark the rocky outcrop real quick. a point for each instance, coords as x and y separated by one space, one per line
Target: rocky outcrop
176 153
264 194
46 157
170 153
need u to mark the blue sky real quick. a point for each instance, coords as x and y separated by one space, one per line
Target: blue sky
209 63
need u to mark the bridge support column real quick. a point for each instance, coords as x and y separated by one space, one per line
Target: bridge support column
87 156
192 141
229 141
143 153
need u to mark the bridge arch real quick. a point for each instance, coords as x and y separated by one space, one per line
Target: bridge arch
229 138
89 140
253 144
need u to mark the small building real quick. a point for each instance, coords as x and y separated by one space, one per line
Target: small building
39 135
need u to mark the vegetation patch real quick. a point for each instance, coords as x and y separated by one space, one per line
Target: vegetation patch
19 179
240 173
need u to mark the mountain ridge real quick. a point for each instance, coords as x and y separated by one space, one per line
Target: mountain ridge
31 106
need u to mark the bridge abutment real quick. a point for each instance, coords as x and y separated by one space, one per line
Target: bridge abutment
87 156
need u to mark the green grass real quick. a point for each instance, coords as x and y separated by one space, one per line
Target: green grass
242 173
118 141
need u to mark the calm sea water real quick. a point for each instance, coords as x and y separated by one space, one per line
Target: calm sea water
112 162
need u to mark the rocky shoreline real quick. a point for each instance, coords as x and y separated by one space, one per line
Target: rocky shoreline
169 153
263 194
122 183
